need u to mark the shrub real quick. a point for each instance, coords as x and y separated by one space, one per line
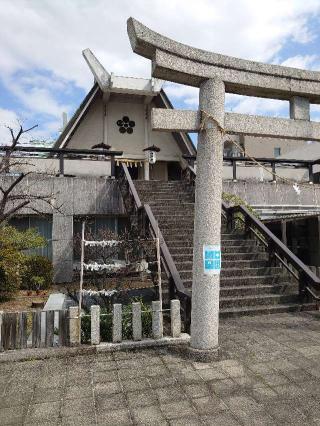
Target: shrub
38 273
106 323
12 258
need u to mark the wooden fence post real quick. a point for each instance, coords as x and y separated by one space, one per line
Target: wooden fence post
157 322
22 330
175 318
136 321
95 325
1 331
36 329
49 328
117 323
63 328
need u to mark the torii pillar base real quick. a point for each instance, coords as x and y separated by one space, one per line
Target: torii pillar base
201 355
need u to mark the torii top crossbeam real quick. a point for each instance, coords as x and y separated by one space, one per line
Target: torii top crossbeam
184 64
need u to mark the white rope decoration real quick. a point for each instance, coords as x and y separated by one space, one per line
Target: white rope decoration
103 243
101 266
106 293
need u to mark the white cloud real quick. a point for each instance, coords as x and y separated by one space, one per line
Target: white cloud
50 35
10 119
311 62
258 106
186 94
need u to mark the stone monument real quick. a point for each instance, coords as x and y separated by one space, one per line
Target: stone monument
216 74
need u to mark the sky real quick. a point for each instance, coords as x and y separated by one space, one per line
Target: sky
43 73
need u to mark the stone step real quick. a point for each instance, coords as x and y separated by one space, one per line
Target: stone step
158 192
237 273
162 184
239 243
188 256
265 309
186 265
175 223
259 255
247 272
182 241
174 215
254 290
170 196
250 249
246 281
177 208
173 204
172 233
182 251
269 299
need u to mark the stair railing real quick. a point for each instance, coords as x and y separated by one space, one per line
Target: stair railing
309 283
148 223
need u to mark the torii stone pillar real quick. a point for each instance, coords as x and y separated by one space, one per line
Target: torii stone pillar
207 222
216 74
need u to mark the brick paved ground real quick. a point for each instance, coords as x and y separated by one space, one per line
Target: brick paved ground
269 375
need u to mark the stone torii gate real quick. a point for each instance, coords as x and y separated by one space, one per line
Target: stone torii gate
216 74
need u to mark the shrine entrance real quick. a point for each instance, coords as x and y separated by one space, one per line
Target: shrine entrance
216 75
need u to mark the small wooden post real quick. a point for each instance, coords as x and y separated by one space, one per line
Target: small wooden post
63 328
234 170
113 166
95 325
159 265
74 326
284 232
10 330
36 329
157 323
22 330
81 276
61 164
175 318
1 331
117 323
273 166
136 321
310 167
49 328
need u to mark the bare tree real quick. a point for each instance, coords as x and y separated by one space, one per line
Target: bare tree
13 194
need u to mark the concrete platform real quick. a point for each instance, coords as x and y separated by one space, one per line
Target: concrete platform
268 374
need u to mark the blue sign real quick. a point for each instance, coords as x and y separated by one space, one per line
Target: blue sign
212 260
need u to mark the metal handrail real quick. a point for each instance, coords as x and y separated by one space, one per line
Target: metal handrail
308 164
60 153
306 276
181 291
66 151
261 160
180 288
132 188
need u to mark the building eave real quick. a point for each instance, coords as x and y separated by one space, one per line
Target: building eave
74 122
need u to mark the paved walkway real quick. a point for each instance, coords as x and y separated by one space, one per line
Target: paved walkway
269 375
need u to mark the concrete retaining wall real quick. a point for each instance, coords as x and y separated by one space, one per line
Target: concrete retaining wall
268 193
77 196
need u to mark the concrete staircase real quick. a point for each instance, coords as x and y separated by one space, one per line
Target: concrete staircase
248 285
